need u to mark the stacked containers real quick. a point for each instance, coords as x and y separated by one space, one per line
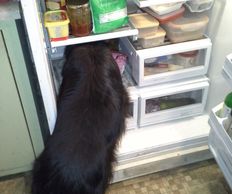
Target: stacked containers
150 34
146 70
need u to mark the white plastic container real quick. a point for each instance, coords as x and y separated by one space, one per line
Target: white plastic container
189 27
144 23
148 40
166 8
199 5
166 70
172 101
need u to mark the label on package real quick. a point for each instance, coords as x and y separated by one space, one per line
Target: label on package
112 16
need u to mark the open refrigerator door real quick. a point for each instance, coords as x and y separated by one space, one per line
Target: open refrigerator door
220 136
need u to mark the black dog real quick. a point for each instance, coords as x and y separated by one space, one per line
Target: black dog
92 107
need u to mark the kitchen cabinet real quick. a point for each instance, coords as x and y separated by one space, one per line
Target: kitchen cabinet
20 132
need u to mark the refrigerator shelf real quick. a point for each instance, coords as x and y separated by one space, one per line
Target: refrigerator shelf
121 32
220 143
146 3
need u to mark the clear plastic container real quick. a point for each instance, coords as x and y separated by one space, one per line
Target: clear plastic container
144 23
163 19
152 39
189 27
199 5
187 59
166 8
57 24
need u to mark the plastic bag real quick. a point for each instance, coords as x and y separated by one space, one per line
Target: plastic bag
108 14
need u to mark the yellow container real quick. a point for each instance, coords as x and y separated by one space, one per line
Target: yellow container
57 24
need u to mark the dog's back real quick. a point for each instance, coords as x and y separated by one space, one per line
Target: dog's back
92 107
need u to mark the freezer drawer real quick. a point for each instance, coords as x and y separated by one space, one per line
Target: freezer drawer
174 102
220 143
167 63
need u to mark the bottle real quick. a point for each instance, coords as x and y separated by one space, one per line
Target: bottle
226 111
227 106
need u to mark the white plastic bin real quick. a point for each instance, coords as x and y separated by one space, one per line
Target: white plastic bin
220 143
172 101
158 65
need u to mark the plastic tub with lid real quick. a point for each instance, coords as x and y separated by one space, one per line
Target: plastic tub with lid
57 24
163 19
199 5
166 8
189 27
152 39
187 59
144 22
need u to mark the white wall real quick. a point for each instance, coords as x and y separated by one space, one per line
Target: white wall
220 31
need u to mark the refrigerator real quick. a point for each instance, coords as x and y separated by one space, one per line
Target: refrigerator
154 140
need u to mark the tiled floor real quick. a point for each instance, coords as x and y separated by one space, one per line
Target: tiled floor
200 178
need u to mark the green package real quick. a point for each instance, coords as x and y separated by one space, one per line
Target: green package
108 15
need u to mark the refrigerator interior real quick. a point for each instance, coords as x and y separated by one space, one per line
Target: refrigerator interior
154 147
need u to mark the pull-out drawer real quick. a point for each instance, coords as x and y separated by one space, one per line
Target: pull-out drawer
169 62
172 101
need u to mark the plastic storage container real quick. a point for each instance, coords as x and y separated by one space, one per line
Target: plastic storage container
199 5
152 39
166 8
52 5
163 19
190 27
187 59
57 24
144 23
172 101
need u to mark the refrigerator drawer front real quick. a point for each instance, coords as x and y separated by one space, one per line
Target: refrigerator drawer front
167 63
172 103
131 121
222 153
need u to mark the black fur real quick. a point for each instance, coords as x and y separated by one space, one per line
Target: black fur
92 107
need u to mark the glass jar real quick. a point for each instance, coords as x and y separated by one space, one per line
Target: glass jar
80 19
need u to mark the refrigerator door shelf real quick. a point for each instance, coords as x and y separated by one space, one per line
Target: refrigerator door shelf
220 143
227 69
167 63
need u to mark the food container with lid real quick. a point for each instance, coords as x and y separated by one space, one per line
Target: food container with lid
80 19
187 59
166 8
144 23
148 40
166 17
57 24
189 27
199 5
